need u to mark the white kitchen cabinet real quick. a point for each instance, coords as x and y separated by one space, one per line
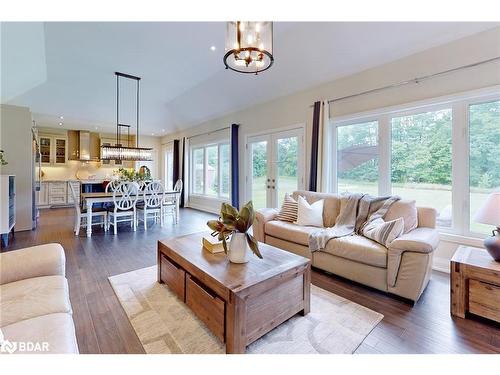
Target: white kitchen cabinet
53 149
43 195
58 193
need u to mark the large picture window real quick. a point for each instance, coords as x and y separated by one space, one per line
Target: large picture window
421 160
357 158
442 153
484 156
210 170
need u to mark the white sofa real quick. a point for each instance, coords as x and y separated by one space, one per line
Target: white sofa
403 268
34 301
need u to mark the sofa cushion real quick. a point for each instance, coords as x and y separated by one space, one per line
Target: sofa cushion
359 249
57 330
29 298
384 232
331 206
406 209
289 209
289 231
310 214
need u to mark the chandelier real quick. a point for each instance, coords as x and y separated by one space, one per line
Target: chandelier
118 151
249 46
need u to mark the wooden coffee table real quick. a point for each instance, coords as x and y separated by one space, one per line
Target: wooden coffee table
238 302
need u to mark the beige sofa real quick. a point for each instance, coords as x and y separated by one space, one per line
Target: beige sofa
403 268
35 310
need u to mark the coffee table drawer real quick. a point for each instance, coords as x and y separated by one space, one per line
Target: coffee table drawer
484 299
206 305
173 276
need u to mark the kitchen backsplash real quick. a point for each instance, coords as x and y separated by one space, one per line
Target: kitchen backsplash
74 169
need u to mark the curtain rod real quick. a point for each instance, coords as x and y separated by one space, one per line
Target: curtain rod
414 80
208 133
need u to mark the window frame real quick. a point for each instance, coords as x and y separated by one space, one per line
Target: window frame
168 152
460 106
219 195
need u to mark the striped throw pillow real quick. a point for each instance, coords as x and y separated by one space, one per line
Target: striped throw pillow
289 209
384 232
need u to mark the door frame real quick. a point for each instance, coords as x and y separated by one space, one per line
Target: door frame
301 127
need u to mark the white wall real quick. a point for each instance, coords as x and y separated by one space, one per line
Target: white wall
295 108
16 141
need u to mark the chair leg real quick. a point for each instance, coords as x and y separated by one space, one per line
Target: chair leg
77 225
145 218
135 221
114 224
160 213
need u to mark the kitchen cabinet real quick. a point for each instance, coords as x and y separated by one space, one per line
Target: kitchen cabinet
53 149
43 194
57 193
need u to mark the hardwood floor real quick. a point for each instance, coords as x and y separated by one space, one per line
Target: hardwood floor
102 326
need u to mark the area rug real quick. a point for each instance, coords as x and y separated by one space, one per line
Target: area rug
164 324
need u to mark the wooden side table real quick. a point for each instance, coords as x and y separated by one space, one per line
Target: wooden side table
475 284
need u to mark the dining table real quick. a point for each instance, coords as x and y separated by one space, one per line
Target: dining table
89 199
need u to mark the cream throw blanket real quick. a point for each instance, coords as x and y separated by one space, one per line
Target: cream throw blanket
357 211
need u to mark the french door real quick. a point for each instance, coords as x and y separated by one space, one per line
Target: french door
275 166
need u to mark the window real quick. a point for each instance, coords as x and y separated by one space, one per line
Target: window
210 166
443 153
421 160
225 170
169 166
357 158
484 157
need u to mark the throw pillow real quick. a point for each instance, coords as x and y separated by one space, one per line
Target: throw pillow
310 214
407 209
384 232
289 209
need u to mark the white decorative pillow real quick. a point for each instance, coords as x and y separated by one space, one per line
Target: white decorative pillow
384 232
310 214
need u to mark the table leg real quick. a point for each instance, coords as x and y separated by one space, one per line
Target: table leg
89 218
307 291
235 326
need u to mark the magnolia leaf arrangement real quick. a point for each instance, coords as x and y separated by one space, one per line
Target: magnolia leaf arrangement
231 221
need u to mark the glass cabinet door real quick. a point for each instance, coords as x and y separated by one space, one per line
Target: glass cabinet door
60 151
45 148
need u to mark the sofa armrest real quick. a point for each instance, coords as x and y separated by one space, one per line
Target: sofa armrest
426 217
419 240
262 216
36 261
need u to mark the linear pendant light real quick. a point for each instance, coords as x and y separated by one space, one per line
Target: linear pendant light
118 151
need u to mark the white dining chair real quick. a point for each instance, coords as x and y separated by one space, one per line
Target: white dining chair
81 214
171 202
151 206
111 186
124 200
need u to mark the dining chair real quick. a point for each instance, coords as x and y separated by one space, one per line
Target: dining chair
151 205
124 200
111 186
171 202
81 213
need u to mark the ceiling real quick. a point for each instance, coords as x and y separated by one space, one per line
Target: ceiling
67 69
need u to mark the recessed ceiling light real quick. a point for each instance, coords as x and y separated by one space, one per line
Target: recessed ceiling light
60 123
162 130
213 48
61 117
96 127
152 133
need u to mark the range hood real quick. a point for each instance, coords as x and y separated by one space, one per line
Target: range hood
80 146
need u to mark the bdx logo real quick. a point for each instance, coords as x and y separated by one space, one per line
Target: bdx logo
10 347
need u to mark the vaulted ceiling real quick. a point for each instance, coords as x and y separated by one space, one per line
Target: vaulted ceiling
67 69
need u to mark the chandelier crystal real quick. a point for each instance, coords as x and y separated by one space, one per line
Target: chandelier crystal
249 46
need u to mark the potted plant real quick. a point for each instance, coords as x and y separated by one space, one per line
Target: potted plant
2 160
234 224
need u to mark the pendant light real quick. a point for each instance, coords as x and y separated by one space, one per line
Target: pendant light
118 151
249 46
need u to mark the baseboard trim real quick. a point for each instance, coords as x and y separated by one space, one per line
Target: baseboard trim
441 265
